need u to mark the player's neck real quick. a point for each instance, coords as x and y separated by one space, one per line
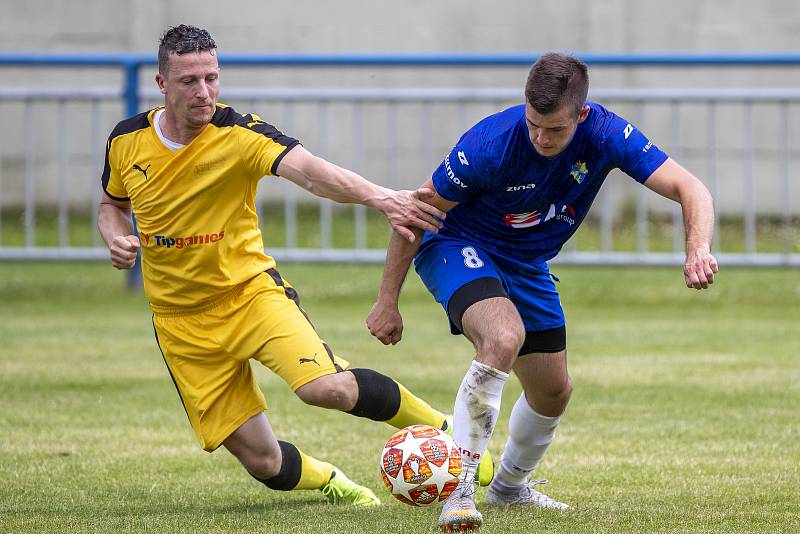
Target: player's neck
176 130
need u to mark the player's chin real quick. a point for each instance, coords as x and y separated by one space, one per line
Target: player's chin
547 152
202 114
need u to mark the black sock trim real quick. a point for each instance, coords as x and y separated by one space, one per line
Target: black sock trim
378 395
291 468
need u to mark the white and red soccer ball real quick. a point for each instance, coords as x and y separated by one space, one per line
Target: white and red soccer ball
420 465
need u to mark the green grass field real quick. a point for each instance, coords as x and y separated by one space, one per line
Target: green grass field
685 416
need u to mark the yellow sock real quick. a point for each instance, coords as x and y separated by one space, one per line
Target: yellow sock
415 411
314 473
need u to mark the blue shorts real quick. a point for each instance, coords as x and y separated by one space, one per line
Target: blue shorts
447 264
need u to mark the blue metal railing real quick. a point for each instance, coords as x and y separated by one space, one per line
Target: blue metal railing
132 94
131 63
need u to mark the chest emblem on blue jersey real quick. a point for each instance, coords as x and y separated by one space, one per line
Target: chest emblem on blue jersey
531 218
578 171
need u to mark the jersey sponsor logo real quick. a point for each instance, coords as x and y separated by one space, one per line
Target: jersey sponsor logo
206 166
578 171
141 170
531 218
309 360
451 174
188 241
567 215
628 130
513 188
462 158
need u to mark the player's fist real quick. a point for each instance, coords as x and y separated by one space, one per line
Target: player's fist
124 249
699 269
385 323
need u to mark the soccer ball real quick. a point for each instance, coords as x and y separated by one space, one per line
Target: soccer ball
420 465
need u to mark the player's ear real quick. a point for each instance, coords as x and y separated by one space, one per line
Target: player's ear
160 80
583 113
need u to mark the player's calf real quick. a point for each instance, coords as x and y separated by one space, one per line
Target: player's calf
382 399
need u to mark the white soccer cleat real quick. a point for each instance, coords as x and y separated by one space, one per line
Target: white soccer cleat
524 495
459 513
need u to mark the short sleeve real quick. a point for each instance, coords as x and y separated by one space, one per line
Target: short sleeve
632 151
462 173
263 145
111 178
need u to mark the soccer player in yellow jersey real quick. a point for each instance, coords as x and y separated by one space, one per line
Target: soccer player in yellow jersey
189 172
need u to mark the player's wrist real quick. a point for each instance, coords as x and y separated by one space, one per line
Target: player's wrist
388 299
695 248
379 199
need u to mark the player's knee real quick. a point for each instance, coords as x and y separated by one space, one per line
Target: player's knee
337 391
502 347
552 401
564 392
262 464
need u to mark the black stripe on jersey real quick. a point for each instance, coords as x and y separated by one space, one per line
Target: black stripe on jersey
227 116
132 124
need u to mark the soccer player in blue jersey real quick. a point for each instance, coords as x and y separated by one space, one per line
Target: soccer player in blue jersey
516 186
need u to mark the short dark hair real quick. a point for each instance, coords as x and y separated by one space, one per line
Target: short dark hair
182 40
555 81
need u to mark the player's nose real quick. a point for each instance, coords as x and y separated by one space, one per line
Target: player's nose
541 138
202 91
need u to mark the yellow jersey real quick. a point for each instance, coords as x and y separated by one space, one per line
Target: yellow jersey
195 207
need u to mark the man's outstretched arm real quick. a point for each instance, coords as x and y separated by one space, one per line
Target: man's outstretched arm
384 320
403 209
676 183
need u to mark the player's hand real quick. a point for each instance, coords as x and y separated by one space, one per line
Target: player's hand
410 209
123 251
385 323
699 269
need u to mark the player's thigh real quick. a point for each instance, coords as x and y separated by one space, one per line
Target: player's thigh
218 392
274 330
458 274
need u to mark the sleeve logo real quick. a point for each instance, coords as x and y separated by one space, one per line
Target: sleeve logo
628 130
450 174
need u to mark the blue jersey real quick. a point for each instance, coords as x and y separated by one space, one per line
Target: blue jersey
518 203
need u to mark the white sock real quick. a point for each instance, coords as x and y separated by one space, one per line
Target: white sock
475 413
529 435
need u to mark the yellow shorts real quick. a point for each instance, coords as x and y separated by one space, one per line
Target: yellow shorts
208 352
